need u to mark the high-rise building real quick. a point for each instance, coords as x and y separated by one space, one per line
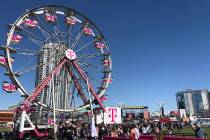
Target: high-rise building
195 102
47 60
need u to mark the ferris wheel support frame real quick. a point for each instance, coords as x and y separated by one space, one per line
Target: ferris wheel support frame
38 90
85 78
79 88
23 129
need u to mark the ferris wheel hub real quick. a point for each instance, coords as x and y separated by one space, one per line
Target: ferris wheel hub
70 54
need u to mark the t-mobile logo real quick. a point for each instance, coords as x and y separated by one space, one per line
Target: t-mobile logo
70 54
112 114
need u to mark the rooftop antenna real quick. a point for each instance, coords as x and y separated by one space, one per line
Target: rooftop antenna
121 105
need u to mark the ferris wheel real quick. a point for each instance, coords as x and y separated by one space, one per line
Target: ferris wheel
56 57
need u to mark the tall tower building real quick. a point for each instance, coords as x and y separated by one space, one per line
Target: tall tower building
205 95
48 59
194 102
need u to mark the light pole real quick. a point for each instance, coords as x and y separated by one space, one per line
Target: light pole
93 127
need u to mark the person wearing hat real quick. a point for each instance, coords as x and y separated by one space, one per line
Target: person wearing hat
199 132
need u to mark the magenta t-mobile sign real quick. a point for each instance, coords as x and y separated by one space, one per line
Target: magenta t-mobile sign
112 115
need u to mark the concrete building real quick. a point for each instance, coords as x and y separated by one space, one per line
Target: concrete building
195 102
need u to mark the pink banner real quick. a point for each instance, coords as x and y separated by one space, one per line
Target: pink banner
153 138
141 138
182 138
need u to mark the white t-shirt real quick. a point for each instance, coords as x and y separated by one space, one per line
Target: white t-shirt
137 134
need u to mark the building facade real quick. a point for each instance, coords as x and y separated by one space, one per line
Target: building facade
47 60
194 102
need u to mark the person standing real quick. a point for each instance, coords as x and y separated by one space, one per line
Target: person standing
199 132
83 132
134 134
157 133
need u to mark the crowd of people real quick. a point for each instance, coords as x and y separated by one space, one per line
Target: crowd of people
82 130
78 130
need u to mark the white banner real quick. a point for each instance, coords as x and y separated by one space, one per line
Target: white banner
182 113
99 118
112 115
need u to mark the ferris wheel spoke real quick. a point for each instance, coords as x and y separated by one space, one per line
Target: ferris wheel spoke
92 78
78 36
32 37
88 65
23 51
56 21
89 56
76 40
44 32
72 39
86 45
68 31
57 32
92 68
43 29
34 67
57 28
33 40
42 23
76 30
69 37
36 42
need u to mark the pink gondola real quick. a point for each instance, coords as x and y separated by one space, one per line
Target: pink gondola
3 60
106 62
105 80
70 21
99 45
9 87
88 31
16 38
30 22
50 18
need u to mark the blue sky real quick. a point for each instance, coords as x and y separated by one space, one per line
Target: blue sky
158 47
